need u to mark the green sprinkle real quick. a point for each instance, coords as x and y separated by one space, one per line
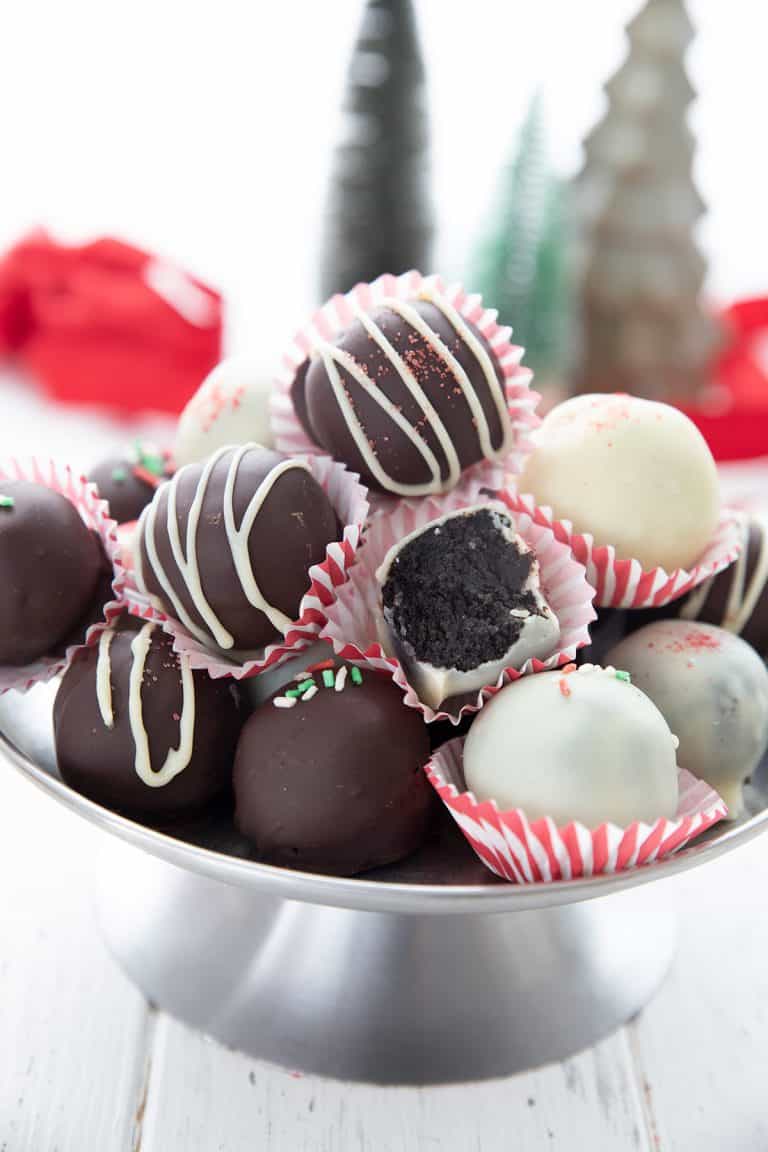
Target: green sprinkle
119 475
7 502
305 685
356 674
625 676
152 461
328 677
292 693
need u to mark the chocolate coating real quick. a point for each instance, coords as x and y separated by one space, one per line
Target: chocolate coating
289 534
334 784
318 409
50 564
100 762
125 486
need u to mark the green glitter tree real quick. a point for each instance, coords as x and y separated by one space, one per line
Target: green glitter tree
378 216
520 265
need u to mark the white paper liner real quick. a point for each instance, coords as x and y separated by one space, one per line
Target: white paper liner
95 513
349 499
337 314
352 617
538 851
625 583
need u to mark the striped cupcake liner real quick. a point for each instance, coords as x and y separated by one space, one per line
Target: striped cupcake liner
352 618
349 499
538 851
94 511
337 314
625 583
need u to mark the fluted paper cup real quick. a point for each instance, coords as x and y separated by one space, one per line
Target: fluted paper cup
337 314
352 617
349 500
625 583
94 512
538 851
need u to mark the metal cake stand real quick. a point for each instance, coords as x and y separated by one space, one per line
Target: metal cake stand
431 971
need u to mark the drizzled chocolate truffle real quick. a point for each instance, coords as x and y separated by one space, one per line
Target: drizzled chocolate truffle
736 598
408 396
138 731
328 774
51 565
226 546
461 601
129 482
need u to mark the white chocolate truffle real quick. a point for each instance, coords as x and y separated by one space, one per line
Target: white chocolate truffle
461 601
585 745
231 406
712 688
634 473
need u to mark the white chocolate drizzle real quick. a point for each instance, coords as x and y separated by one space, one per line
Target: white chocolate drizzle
187 560
178 758
104 678
334 357
742 597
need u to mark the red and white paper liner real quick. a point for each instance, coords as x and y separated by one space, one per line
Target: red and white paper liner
337 314
352 617
94 511
625 583
349 499
538 851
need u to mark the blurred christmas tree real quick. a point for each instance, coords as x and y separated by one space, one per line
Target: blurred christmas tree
642 326
520 266
379 211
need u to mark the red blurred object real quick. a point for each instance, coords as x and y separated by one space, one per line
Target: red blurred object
105 323
733 415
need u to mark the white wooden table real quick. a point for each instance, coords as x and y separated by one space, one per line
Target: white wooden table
87 1066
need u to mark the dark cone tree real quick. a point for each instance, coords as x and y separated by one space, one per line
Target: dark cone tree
378 215
643 327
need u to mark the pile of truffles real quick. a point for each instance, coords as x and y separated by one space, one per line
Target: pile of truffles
327 772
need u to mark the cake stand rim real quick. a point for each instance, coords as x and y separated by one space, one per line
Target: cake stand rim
373 895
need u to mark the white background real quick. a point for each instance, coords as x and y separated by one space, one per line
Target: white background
203 130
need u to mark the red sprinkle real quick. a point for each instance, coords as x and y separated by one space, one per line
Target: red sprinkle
569 668
320 666
564 688
147 476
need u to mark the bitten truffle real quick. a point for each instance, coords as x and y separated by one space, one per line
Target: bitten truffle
137 730
461 601
328 774
50 570
226 546
408 396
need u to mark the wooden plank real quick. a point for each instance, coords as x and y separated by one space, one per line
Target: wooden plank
701 1047
203 1096
73 1031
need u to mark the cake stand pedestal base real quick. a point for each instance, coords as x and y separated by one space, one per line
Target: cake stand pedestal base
383 997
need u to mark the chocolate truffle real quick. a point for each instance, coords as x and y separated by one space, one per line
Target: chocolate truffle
712 689
225 547
408 396
633 473
461 601
137 730
328 774
582 745
735 599
231 406
50 567
129 482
